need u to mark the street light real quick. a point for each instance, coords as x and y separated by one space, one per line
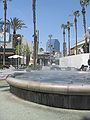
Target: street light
18 38
50 37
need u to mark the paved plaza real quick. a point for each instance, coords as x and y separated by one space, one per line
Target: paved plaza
14 108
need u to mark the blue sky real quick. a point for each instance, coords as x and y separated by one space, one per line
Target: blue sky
50 15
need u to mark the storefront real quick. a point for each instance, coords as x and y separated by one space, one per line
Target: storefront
8 52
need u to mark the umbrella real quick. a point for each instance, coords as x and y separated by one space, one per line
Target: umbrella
15 56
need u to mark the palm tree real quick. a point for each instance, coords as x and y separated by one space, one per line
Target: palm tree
69 25
16 24
76 14
64 43
35 35
83 4
5 14
87 2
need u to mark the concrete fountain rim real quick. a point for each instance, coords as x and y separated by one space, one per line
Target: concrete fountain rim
69 89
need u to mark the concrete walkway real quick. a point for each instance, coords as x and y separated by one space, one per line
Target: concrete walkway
14 108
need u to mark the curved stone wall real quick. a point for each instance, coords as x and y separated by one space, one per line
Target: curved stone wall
70 96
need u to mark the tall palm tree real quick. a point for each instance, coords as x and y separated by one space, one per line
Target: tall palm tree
69 25
16 24
35 35
76 14
5 14
64 41
83 4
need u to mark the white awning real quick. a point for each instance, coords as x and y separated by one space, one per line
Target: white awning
15 56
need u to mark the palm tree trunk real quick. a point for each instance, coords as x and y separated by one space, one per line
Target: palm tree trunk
64 43
68 41
75 20
5 8
14 38
84 22
35 37
84 18
27 59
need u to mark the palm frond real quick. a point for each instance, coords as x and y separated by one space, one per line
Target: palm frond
63 26
84 2
76 13
16 23
87 2
69 24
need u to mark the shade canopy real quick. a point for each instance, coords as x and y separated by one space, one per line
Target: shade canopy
15 56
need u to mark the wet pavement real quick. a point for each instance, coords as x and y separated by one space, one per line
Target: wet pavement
14 108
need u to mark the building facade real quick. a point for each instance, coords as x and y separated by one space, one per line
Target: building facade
80 47
53 45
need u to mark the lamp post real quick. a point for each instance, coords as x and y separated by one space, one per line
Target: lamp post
50 36
18 38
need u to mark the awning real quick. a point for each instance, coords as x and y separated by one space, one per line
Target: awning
15 56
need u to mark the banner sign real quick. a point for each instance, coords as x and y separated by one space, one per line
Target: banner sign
2 32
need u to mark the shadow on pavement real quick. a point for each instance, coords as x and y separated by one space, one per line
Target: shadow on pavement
4 86
85 118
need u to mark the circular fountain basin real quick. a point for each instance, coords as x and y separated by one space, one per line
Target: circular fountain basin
64 89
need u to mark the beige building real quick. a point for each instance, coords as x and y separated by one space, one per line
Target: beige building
79 47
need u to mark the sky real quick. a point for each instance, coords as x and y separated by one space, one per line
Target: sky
50 15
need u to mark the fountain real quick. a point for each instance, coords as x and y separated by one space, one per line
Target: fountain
57 88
